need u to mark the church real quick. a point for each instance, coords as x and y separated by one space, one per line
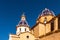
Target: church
47 27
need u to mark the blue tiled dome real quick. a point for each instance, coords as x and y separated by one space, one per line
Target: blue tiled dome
23 23
47 12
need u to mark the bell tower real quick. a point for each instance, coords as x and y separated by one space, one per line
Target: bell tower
22 25
46 14
46 22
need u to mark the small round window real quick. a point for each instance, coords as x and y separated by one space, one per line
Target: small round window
27 36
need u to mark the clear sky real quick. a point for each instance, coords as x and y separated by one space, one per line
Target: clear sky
11 11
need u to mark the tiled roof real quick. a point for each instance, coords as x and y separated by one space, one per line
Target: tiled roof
47 12
23 22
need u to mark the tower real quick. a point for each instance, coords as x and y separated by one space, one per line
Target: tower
22 31
46 14
47 19
45 23
22 25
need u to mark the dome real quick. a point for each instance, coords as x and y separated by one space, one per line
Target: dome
23 21
47 12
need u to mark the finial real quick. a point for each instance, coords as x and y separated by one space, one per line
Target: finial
46 9
23 14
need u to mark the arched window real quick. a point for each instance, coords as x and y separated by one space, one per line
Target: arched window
45 20
20 29
25 29
52 25
59 22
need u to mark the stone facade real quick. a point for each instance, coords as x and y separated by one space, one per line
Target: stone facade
46 28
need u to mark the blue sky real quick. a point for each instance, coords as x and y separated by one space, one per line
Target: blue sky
11 11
